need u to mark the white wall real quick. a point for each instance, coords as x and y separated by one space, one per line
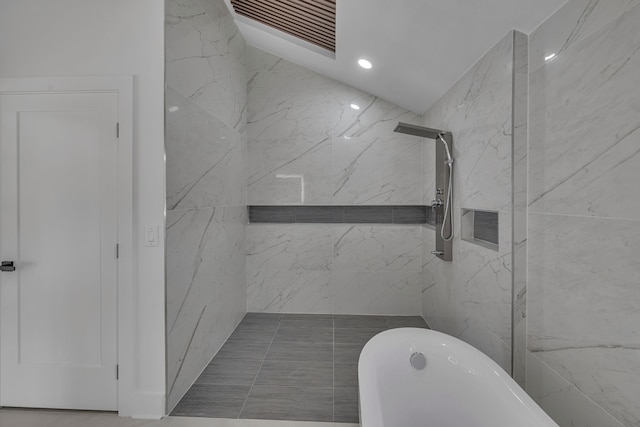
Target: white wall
92 37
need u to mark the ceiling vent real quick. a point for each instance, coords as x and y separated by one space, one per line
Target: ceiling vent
311 20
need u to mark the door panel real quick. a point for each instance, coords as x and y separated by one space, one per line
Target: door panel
58 223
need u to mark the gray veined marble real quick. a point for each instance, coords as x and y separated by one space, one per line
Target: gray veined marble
288 247
289 291
206 195
377 248
289 171
573 22
583 217
204 158
582 305
205 59
384 169
585 135
470 298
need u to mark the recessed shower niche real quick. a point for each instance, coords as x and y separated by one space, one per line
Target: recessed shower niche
481 228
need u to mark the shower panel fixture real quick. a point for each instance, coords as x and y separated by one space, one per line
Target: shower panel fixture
443 202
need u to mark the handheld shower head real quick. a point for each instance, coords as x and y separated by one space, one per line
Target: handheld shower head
449 160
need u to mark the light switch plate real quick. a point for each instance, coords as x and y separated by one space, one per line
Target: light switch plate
151 237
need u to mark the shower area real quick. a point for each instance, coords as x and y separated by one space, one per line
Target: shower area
305 216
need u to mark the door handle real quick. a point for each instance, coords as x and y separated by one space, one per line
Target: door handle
7 266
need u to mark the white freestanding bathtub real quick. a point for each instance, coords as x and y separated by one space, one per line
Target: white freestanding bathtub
458 386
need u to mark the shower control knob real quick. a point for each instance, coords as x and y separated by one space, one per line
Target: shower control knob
439 192
436 203
437 253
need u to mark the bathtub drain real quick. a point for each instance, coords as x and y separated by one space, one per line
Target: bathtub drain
418 361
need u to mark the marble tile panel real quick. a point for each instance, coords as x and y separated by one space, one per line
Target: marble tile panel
215 270
573 22
179 341
582 282
288 247
562 400
289 171
582 314
187 235
205 68
183 17
478 111
585 126
374 119
487 342
381 292
259 61
214 325
381 169
289 291
205 158
609 376
377 248
291 105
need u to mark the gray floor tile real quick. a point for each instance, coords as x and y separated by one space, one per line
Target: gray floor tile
293 334
353 321
243 349
347 353
345 405
296 374
222 401
356 335
289 403
261 319
253 334
406 322
345 375
301 351
230 372
307 321
263 316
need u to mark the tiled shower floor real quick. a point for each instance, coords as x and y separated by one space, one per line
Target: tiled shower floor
288 367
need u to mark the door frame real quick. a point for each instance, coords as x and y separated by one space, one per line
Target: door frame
123 87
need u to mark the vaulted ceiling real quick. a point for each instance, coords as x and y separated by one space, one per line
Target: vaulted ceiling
418 48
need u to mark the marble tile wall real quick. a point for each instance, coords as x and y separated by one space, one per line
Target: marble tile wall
584 215
309 146
471 297
331 268
206 185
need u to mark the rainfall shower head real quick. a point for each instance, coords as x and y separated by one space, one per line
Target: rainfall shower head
420 131
424 132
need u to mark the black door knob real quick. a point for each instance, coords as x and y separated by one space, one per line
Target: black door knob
7 266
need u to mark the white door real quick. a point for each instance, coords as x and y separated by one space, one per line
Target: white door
58 224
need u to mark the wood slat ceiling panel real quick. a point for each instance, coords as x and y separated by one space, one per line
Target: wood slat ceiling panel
311 20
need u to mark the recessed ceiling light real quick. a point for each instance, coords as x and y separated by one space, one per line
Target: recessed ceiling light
355 106
550 57
364 64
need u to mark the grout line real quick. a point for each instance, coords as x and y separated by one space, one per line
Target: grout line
260 368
